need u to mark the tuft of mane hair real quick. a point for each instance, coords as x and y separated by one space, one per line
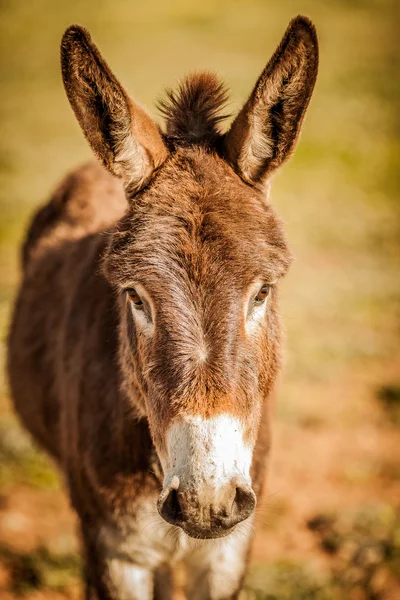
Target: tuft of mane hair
193 111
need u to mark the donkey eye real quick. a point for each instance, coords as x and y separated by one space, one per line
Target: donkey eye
135 298
262 294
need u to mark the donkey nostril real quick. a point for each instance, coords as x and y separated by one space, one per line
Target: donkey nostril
244 502
171 509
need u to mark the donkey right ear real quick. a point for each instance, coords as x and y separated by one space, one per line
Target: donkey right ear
265 132
121 133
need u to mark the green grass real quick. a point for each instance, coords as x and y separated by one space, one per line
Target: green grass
285 580
41 569
364 552
21 462
365 549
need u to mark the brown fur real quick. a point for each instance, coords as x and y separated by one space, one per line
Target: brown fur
93 390
193 113
271 119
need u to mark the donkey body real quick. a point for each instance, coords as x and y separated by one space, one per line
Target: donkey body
145 339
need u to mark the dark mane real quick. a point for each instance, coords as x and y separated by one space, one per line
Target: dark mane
193 111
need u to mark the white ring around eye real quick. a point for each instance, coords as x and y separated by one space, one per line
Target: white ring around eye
141 316
255 312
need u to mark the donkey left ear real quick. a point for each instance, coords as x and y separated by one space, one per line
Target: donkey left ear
265 131
121 133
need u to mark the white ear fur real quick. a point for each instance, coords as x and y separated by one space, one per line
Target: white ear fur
265 131
121 133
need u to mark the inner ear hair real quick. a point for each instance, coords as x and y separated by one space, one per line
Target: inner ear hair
265 131
122 135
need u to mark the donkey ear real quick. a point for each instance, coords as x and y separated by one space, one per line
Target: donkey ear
122 134
265 131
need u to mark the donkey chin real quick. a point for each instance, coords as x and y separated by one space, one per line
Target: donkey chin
207 487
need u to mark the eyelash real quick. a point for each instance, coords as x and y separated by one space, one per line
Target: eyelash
262 294
135 298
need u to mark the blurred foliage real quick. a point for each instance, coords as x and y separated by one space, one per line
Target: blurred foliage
389 395
20 461
364 553
365 550
40 569
286 580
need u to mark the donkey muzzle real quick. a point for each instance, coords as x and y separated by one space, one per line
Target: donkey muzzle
208 511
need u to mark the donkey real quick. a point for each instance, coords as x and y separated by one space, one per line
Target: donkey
145 340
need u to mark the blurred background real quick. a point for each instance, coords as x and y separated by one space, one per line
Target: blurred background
330 525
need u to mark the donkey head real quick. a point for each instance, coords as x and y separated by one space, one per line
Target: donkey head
196 263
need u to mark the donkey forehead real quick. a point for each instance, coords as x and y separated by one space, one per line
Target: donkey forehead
199 219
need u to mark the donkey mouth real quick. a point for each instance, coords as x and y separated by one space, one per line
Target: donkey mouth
202 533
